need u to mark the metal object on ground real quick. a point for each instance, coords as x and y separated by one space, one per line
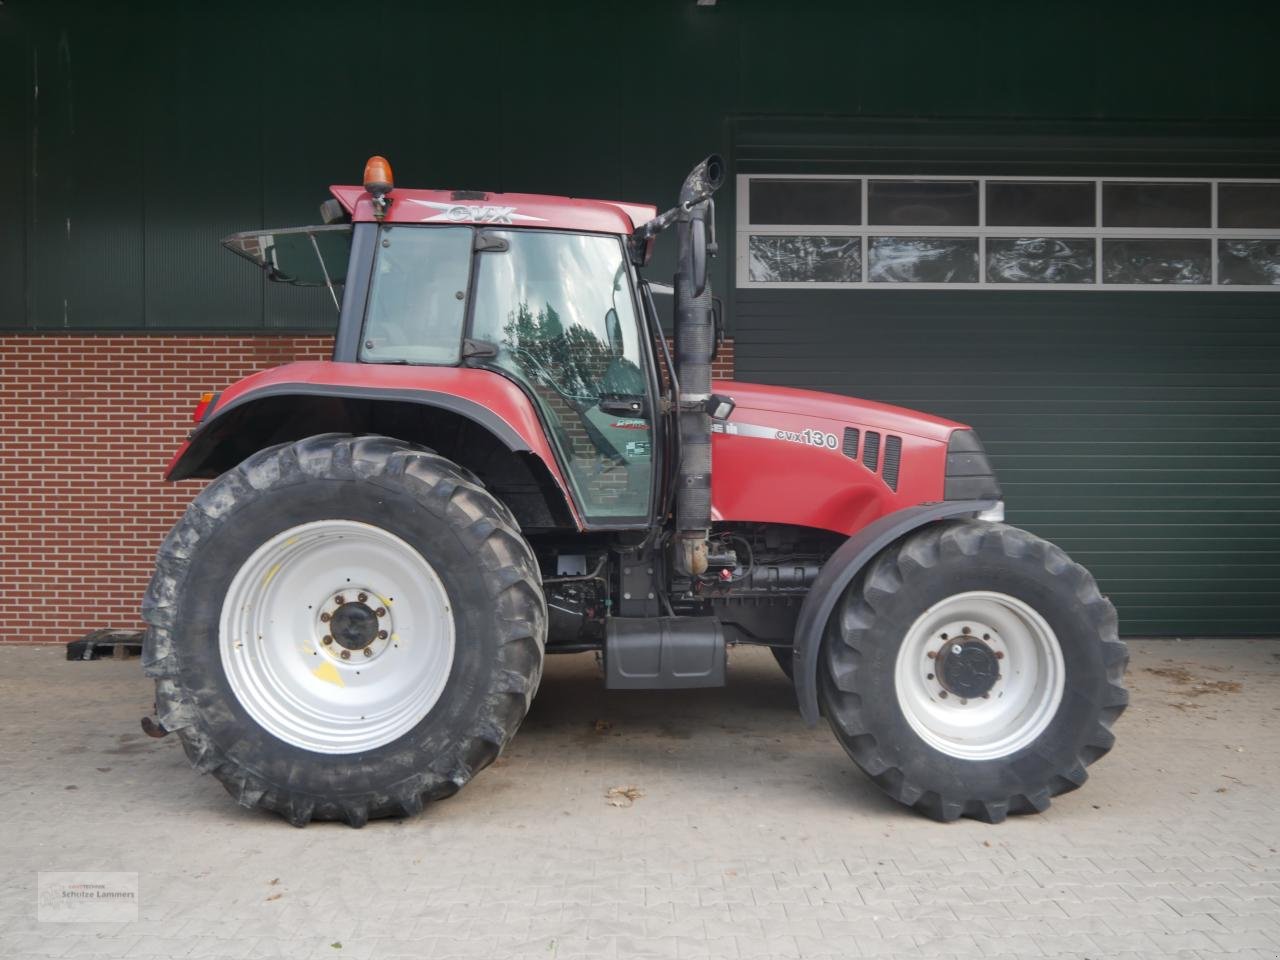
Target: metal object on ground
120 643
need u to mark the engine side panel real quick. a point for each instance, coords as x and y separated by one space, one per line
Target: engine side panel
832 463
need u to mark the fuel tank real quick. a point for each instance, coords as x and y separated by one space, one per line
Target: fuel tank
823 460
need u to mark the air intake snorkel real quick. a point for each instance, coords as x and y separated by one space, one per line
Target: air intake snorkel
695 344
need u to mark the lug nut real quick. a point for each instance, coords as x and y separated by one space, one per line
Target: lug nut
380 612
929 677
362 597
328 638
324 618
382 634
964 630
944 636
986 636
933 654
339 599
345 654
999 654
942 694
368 652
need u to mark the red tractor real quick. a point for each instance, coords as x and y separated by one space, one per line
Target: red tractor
501 462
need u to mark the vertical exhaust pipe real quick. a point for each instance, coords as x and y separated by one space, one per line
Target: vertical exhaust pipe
695 345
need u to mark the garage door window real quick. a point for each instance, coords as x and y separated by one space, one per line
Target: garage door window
1008 233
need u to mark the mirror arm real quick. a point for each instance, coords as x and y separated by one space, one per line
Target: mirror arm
325 270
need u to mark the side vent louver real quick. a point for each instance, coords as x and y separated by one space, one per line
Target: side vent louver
892 461
871 451
850 447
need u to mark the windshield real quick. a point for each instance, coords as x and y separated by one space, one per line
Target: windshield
417 298
558 307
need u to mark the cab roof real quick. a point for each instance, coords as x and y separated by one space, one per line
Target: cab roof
507 209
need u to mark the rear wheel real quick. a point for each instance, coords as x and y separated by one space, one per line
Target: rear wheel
974 670
344 627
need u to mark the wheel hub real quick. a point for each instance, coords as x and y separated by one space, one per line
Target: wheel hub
968 668
354 626
337 636
979 675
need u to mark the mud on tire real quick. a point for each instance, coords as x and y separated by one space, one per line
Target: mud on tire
860 653
438 509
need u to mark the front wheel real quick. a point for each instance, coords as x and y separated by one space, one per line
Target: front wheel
343 627
973 670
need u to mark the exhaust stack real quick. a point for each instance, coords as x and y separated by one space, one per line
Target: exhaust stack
695 345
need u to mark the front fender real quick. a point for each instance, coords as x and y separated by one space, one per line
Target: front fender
839 571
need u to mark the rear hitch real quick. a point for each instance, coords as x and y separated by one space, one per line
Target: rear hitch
154 728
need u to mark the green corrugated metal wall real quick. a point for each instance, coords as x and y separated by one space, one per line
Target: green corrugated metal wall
1140 430
160 127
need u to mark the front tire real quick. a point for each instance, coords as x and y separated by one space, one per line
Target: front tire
342 628
973 670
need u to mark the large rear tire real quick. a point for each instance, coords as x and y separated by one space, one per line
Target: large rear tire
973 670
342 628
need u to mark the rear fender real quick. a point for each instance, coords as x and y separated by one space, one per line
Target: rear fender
839 571
491 430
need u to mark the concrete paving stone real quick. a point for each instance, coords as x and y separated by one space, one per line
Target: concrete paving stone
286 948
810 947
771 947
755 911
928 945
649 947
391 948
1133 868
1236 940
1190 940
1264 905
751 929
993 911
706 946
98 946
1199 921
885 947
239 947
34 945
153 946
1022 945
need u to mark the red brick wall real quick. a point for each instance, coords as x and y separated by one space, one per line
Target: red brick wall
87 424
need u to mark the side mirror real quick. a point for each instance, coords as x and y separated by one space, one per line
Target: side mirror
613 330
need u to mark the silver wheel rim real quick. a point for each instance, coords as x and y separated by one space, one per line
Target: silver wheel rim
285 665
1018 705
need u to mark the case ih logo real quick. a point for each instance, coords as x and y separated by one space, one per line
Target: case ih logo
466 213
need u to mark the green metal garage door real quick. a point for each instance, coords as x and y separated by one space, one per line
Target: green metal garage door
1141 431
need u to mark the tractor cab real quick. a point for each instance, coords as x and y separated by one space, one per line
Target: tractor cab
556 309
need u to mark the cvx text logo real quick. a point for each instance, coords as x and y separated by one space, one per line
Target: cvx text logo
472 213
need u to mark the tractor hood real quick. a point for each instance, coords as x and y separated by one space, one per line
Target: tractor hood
834 407
836 463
